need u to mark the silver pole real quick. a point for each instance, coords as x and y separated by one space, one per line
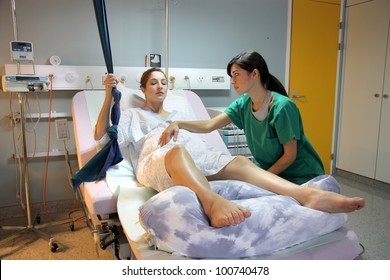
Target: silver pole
25 160
166 37
21 97
13 7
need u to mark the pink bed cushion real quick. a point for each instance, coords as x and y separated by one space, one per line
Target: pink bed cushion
98 198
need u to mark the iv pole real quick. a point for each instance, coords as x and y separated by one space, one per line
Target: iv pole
167 37
30 226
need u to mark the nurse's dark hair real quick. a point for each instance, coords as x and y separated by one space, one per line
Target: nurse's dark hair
252 60
146 75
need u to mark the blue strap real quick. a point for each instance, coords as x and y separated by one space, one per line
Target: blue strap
101 19
109 155
96 167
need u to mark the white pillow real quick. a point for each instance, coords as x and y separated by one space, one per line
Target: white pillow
131 98
175 100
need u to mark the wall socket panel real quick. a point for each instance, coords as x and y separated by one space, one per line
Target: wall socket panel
200 78
62 129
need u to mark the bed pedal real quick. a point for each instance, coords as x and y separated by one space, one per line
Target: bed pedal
104 244
115 241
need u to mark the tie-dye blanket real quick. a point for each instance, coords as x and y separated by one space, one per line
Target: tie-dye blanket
175 221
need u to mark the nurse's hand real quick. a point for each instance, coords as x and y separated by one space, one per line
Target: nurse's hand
171 131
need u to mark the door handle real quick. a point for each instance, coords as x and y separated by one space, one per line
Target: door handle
295 96
385 96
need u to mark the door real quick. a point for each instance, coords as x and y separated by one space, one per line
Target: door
383 161
366 38
313 69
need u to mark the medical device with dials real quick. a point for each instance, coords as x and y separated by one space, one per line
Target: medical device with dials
21 51
24 83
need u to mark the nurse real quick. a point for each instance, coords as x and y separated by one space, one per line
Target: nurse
271 121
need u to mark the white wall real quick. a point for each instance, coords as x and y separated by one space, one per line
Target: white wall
202 34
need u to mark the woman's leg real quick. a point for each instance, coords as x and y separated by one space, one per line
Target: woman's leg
183 171
243 169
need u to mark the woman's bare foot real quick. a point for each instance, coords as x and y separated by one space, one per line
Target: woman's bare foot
223 212
333 202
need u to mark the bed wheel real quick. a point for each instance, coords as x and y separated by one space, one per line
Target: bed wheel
53 247
71 226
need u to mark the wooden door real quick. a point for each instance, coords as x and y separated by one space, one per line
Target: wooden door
313 69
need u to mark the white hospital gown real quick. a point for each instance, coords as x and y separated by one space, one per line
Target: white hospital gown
139 130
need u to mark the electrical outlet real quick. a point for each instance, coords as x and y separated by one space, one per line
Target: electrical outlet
62 129
70 78
104 77
123 78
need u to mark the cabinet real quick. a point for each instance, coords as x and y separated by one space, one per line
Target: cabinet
364 131
235 140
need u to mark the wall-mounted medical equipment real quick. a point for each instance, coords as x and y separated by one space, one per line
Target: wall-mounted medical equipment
21 51
24 83
153 60
68 77
55 60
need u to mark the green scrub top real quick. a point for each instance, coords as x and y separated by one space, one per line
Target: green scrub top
265 138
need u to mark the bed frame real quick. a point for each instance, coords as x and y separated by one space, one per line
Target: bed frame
114 218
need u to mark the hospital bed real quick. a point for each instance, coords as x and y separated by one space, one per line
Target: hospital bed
116 205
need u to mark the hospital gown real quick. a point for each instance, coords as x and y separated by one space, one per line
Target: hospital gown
139 130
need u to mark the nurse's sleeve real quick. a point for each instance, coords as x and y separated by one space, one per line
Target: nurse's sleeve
287 123
234 111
